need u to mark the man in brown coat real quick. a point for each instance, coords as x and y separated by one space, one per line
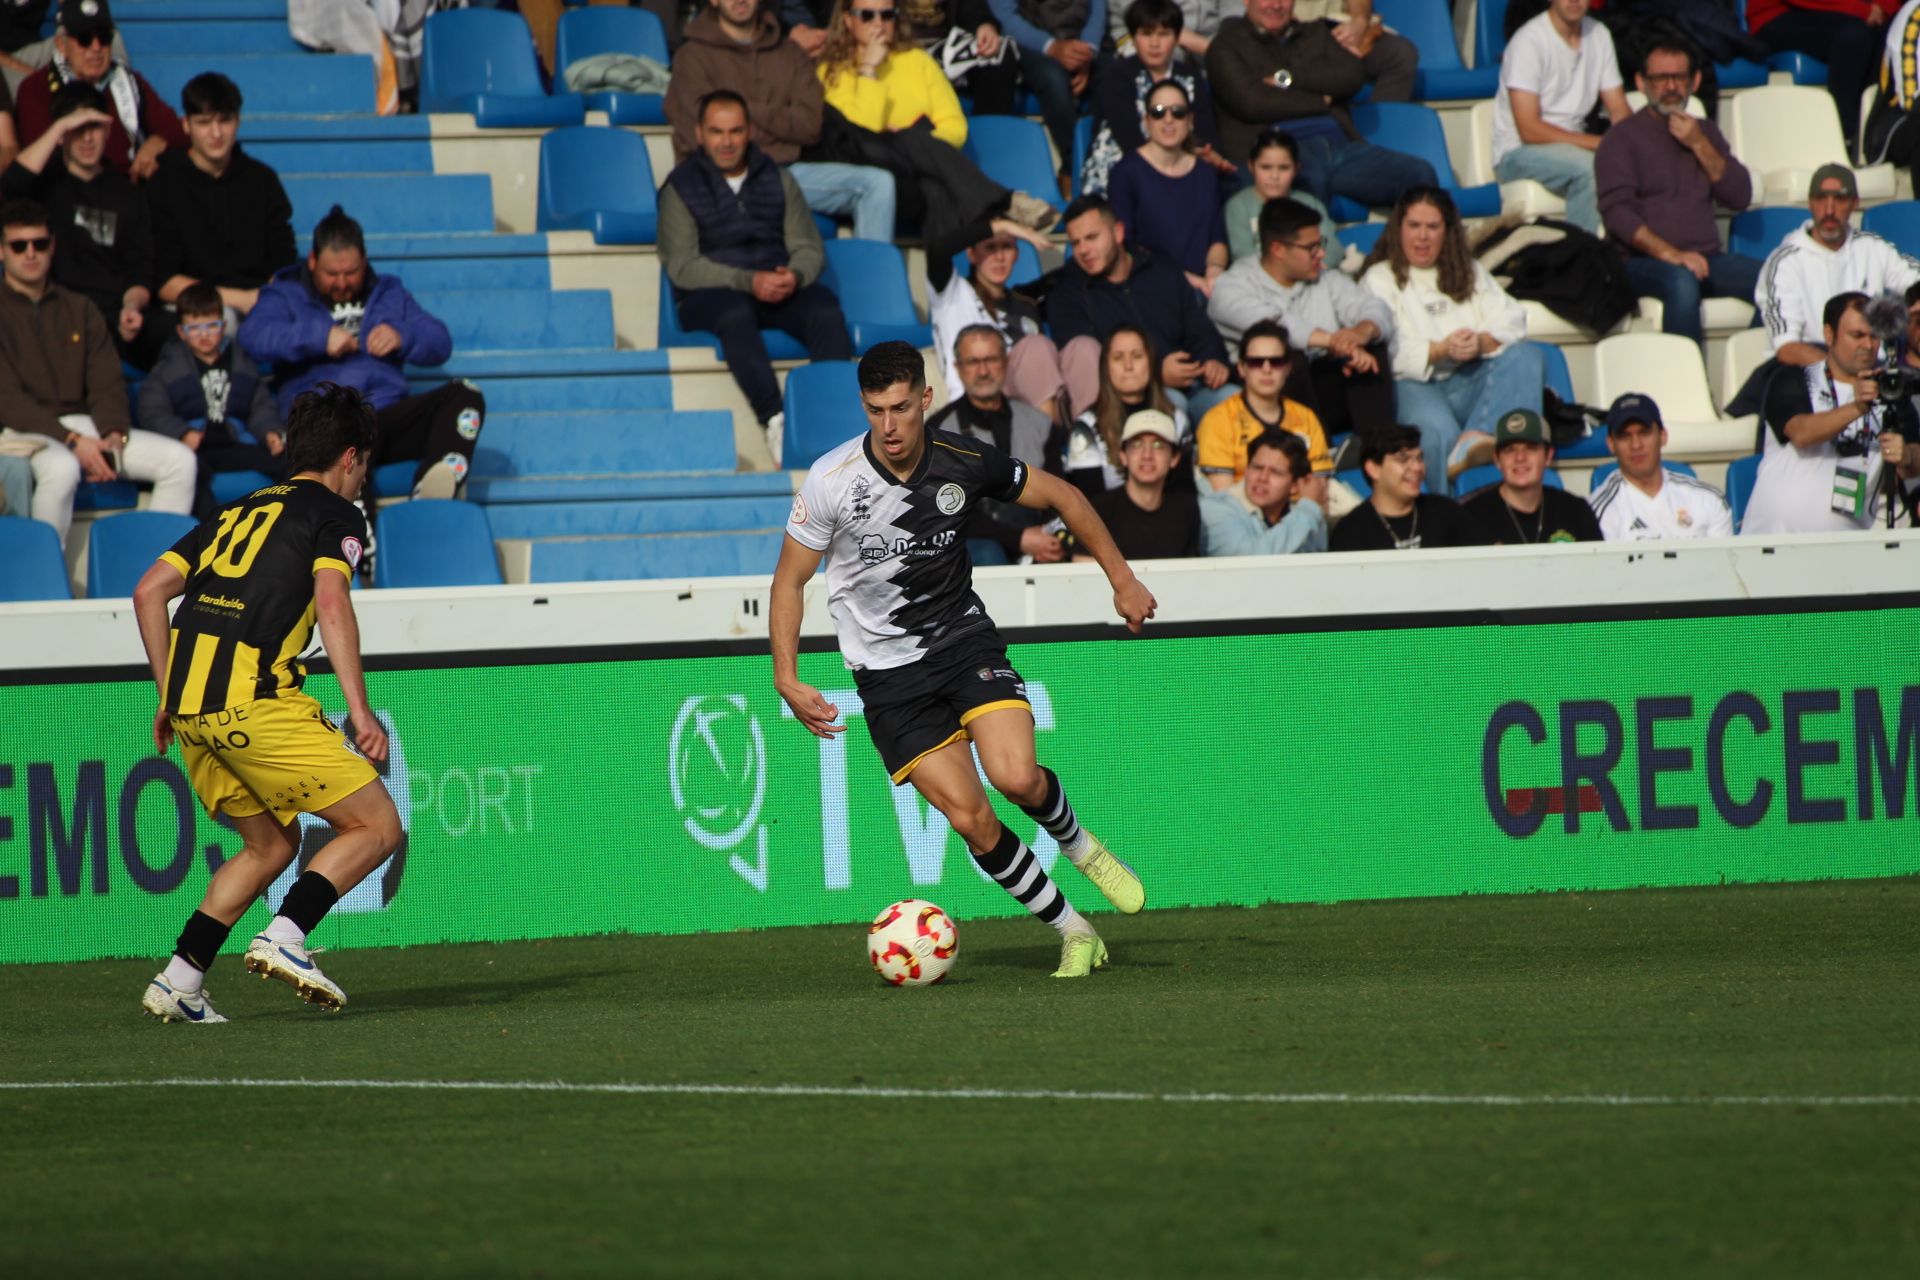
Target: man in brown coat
737 45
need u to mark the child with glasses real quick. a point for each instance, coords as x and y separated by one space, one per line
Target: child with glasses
208 394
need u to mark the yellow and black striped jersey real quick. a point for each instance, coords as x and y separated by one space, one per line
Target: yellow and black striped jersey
248 612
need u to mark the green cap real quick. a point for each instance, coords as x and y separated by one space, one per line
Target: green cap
1520 425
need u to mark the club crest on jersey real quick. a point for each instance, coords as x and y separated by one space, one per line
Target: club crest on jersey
950 498
799 510
873 549
350 548
861 496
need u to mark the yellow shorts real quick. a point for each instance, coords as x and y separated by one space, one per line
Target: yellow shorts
273 754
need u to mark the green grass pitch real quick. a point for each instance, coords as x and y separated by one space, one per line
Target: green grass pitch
1766 1040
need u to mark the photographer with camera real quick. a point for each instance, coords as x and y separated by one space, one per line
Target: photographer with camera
1833 429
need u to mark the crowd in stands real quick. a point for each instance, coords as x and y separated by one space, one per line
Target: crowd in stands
1210 365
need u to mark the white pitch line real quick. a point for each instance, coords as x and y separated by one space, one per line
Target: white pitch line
1007 1095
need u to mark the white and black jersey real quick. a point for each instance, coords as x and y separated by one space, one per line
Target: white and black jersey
1685 507
1794 489
899 580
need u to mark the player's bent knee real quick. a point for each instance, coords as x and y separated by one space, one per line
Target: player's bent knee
1022 783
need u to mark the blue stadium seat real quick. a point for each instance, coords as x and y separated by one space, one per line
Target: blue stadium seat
612 29
822 405
121 547
1560 382
393 480
1026 265
106 495
1013 151
480 62
1361 236
1474 479
228 485
1356 480
35 568
1416 130
1429 25
598 180
870 279
1758 232
387 204
1082 144
1741 73
429 542
1605 469
780 346
1489 35
1741 473
1898 221
1805 70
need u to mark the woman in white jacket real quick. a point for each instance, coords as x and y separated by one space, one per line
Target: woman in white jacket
1460 359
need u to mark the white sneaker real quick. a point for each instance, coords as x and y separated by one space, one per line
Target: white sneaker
776 436
443 479
294 966
168 1005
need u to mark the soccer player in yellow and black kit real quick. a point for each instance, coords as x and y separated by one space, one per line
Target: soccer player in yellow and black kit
256 577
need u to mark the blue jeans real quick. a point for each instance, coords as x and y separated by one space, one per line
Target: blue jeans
1334 164
849 190
1729 275
1050 83
1198 397
1562 168
1470 399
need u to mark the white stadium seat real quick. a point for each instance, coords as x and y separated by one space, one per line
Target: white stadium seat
1743 353
1526 197
1668 368
1783 133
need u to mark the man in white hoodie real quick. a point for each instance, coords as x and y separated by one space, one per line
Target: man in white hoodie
1826 257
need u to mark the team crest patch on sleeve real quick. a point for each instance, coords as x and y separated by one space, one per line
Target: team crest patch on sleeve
350 548
950 498
799 509
468 424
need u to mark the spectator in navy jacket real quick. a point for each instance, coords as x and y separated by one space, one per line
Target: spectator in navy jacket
1056 43
1110 283
333 319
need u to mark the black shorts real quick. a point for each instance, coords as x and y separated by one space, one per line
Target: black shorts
915 710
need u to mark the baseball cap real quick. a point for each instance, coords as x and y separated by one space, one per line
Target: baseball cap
1845 175
1150 422
1518 426
79 17
1630 408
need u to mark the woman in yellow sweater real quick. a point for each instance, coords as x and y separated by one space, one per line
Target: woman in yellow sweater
895 108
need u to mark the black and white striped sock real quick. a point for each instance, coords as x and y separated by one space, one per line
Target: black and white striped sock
1015 869
1056 815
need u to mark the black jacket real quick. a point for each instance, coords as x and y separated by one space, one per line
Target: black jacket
233 231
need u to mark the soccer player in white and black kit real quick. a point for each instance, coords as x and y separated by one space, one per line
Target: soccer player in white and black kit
889 510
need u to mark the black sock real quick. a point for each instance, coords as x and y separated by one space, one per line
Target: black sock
1055 814
1015 869
311 897
201 940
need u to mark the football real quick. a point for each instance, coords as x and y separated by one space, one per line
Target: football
912 943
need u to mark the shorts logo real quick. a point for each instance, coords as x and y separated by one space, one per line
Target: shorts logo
1019 472
351 549
873 549
467 424
799 510
984 673
950 499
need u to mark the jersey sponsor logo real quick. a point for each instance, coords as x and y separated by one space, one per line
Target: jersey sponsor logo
950 498
862 498
873 549
352 550
799 515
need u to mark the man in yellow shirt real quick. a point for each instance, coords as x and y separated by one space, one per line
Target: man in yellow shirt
1223 435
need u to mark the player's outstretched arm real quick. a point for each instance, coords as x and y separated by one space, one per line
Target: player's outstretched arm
1131 599
784 610
159 586
333 606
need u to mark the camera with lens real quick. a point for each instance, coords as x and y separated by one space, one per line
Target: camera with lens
1897 382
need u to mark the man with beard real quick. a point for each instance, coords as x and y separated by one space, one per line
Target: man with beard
143 125
1825 258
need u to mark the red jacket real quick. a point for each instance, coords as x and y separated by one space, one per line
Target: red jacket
1761 12
33 116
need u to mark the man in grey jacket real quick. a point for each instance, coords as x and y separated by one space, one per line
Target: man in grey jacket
1278 507
1342 327
985 410
742 253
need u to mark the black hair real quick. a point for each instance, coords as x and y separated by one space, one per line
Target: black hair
76 95
210 94
1299 464
720 97
1092 202
199 299
979 331
325 423
1841 303
1283 219
1913 293
1666 40
889 362
1169 83
1265 329
338 231
1274 138
1382 441
21 212
1148 15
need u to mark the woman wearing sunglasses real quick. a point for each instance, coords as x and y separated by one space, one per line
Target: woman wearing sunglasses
1459 357
897 109
1155 27
1167 200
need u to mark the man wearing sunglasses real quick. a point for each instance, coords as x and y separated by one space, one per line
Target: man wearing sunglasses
142 125
61 392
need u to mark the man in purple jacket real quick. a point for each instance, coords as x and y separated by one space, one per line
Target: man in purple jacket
332 319
1657 174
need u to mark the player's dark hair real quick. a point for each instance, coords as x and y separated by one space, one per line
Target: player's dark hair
1154 15
1265 329
1091 203
210 94
21 212
889 362
1841 303
199 299
1283 219
338 230
77 95
325 423
1291 446
725 97
1382 440
978 331
1275 138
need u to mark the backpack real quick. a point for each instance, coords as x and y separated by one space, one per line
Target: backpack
1566 270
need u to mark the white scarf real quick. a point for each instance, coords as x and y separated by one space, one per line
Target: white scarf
119 85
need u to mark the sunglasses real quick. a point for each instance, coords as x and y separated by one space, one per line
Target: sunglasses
1161 110
875 15
1264 362
92 39
39 244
